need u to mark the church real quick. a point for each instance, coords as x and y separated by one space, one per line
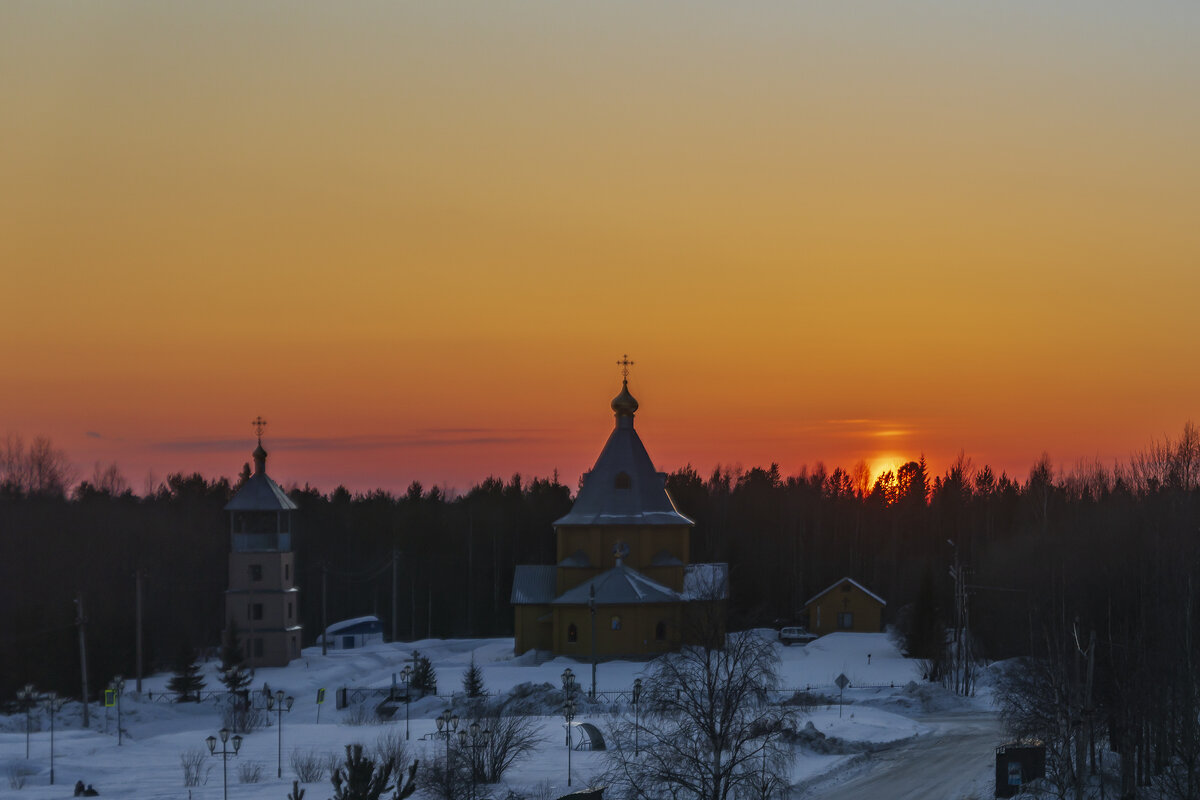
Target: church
623 583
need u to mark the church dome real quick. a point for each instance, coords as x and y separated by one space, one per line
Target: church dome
624 404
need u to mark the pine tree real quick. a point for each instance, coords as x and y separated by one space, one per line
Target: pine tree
234 674
360 779
473 680
423 677
187 682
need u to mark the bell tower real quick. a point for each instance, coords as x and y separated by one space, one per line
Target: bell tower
262 599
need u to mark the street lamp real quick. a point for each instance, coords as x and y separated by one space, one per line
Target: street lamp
278 703
569 715
447 723
212 749
118 686
406 673
568 684
477 739
54 704
637 693
26 697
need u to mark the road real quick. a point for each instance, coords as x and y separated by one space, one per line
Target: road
956 761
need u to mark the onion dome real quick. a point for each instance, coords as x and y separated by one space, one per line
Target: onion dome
624 404
260 459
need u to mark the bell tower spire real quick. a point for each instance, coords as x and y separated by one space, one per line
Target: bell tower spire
260 454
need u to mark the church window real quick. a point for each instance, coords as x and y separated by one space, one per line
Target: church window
289 609
258 648
616 623
287 572
623 481
256 572
846 620
660 631
256 611
572 634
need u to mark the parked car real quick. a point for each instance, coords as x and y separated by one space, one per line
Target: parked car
795 635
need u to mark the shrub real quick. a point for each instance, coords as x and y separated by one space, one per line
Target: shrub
193 762
361 714
250 771
390 748
309 765
242 717
18 774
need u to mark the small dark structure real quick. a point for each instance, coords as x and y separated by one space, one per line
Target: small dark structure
585 794
1018 763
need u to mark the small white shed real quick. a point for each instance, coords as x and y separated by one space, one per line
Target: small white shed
353 633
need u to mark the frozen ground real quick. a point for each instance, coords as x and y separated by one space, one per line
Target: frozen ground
883 713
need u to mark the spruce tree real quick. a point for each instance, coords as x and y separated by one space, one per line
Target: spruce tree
473 680
186 682
234 674
360 779
423 678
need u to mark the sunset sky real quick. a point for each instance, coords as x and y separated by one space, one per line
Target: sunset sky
416 237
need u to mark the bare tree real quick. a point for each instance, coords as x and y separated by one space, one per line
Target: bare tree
707 729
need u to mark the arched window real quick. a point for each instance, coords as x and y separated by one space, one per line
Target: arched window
622 481
572 634
660 631
616 623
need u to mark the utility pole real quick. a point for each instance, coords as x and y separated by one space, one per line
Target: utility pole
80 622
395 588
592 608
324 608
470 572
137 583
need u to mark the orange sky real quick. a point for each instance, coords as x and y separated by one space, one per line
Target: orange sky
417 236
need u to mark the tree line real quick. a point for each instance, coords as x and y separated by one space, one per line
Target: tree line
1090 567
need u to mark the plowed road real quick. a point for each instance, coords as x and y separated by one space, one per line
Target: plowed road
956 761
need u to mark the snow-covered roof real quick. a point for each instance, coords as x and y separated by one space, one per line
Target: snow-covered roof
350 623
706 581
260 493
620 585
623 488
533 584
860 587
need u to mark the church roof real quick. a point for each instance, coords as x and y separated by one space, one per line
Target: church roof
619 586
260 493
533 584
623 488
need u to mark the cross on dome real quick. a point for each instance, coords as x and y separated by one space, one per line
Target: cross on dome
260 425
625 364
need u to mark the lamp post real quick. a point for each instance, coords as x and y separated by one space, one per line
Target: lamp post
477 739
406 673
278 703
118 686
54 704
637 693
569 715
568 684
447 723
212 749
26 697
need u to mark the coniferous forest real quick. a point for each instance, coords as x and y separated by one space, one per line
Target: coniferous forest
1086 570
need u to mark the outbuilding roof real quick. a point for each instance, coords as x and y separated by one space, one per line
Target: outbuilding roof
860 587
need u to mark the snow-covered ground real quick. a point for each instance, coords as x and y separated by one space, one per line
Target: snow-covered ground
880 706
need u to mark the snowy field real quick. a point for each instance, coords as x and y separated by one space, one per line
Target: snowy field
878 709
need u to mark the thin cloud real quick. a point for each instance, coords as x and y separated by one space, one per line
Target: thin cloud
463 437
93 435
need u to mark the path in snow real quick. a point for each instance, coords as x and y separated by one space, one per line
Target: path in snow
956 761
